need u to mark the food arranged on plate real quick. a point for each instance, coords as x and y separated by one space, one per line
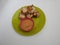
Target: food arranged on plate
28 20
26 16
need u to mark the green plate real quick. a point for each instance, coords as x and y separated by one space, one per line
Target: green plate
38 23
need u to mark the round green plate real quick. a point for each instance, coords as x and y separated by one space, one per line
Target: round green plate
38 23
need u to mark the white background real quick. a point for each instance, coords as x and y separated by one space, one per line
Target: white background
50 34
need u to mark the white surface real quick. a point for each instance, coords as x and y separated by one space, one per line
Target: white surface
50 34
